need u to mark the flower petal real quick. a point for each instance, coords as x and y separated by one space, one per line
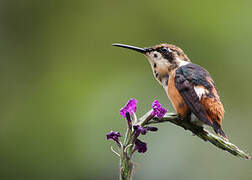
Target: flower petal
139 129
114 136
140 146
151 128
130 107
158 110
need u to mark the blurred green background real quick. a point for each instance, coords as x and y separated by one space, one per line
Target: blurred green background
62 85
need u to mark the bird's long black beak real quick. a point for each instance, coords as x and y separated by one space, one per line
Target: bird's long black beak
141 50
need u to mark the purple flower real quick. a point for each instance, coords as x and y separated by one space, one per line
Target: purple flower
158 109
151 128
114 135
139 129
140 146
130 107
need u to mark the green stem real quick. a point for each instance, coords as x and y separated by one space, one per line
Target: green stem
126 167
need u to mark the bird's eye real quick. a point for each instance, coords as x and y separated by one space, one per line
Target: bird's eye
155 55
166 50
167 53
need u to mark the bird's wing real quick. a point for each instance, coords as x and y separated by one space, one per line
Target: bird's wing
214 108
190 81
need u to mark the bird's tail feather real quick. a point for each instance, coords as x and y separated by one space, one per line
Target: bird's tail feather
217 128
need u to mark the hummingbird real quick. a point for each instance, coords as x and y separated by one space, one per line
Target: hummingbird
189 87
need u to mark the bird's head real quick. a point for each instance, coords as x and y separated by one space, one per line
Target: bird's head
164 58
